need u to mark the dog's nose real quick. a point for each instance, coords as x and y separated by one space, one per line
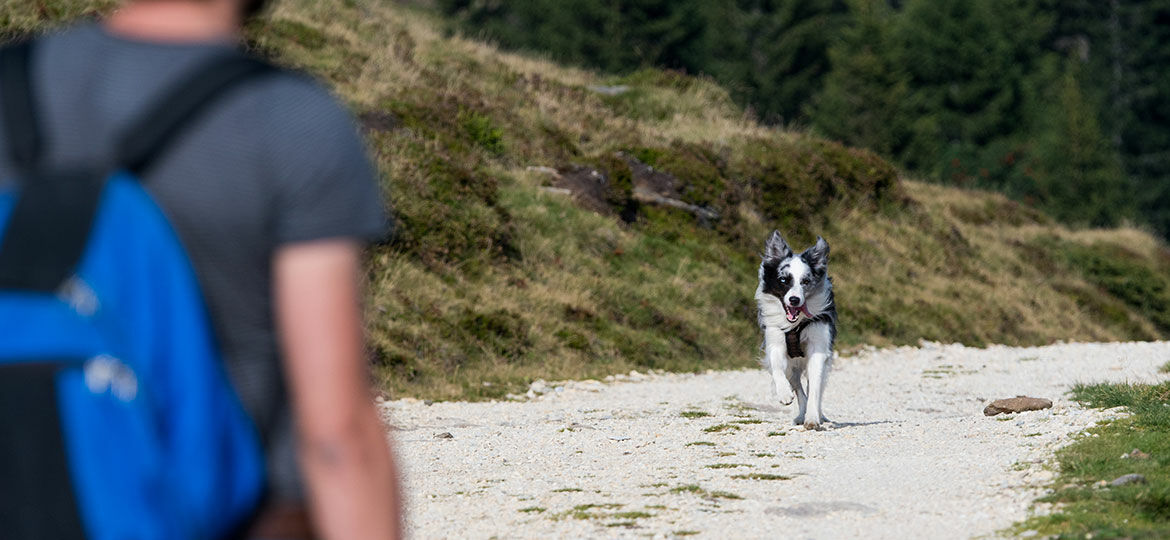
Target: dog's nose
794 300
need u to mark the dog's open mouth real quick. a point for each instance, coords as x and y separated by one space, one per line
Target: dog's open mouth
793 312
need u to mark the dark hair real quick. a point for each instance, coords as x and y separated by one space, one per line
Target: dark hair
253 8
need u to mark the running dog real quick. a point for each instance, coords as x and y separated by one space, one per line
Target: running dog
799 320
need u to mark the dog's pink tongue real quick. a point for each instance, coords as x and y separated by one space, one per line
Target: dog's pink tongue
804 309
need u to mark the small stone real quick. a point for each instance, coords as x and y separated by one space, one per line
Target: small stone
1100 484
1128 479
428 402
1016 404
444 435
615 90
1137 454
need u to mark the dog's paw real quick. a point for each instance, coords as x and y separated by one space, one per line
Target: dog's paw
813 426
783 394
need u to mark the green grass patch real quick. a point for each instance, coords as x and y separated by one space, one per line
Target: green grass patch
568 490
1088 509
694 414
695 489
589 511
1140 284
686 533
760 476
764 454
700 443
726 465
631 515
748 421
719 428
777 433
482 132
533 510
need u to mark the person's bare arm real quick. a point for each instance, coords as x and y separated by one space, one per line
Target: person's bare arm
344 454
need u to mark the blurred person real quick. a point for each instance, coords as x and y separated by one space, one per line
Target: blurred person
273 198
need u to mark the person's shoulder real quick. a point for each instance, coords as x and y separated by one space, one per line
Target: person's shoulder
293 94
298 109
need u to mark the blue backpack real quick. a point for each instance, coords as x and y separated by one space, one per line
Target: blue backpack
117 420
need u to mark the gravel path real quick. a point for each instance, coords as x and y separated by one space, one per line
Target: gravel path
909 454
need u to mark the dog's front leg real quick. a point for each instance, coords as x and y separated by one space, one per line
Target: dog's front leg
795 370
818 374
776 352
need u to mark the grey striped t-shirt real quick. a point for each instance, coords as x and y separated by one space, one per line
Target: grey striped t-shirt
277 161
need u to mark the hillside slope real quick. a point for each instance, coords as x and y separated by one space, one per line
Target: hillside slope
533 239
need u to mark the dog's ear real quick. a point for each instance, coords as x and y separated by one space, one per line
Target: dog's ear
818 255
776 247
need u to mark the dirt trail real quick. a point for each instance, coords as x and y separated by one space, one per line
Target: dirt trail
909 454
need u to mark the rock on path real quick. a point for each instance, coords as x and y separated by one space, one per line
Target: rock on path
909 454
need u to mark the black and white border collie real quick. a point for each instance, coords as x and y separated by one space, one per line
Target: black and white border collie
799 320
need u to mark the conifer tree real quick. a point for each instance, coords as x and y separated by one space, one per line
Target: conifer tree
864 98
966 63
1079 175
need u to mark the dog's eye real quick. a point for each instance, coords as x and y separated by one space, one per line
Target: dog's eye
805 281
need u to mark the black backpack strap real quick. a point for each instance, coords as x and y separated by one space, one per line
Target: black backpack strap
48 229
50 223
158 125
20 120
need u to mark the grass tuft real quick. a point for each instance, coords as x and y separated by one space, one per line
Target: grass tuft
695 489
760 476
719 428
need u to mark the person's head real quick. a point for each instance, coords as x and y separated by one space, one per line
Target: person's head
245 9
183 20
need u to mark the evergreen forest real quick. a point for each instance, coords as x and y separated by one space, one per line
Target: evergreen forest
1062 105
